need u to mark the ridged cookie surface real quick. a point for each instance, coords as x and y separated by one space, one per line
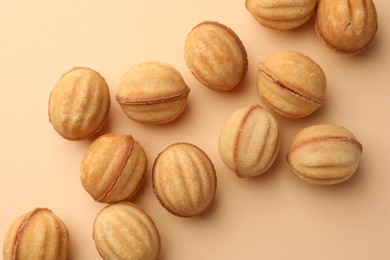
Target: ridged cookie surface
124 231
152 93
113 168
184 179
249 141
324 154
216 56
345 26
79 104
291 84
281 14
37 235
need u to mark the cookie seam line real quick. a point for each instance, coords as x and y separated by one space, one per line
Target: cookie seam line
324 138
289 89
124 101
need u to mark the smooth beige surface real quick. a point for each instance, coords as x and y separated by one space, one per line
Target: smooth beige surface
273 216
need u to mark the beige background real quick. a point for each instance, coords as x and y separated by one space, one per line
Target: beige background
273 216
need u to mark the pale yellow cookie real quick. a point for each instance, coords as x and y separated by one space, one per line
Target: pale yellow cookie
324 154
113 168
291 84
216 56
152 93
281 14
36 235
79 104
249 141
184 179
126 231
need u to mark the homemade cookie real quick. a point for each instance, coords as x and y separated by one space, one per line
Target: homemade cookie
113 168
38 234
324 154
249 141
79 104
184 179
125 231
347 27
152 93
216 56
291 84
281 14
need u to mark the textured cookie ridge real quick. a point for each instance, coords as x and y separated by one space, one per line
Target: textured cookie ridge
113 168
291 84
38 234
281 14
216 56
347 27
184 179
125 231
324 154
249 141
79 104
152 93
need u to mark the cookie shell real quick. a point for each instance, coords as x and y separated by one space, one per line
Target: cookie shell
347 27
281 14
184 179
249 141
126 231
38 234
291 84
152 93
113 168
79 104
216 56
324 154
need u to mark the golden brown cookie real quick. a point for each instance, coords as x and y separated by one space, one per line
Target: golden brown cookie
152 93
79 104
249 141
113 168
324 154
126 231
281 14
184 179
291 84
216 56
38 234
345 26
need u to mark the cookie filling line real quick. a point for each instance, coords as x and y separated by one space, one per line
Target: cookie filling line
284 86
327 137
125 101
